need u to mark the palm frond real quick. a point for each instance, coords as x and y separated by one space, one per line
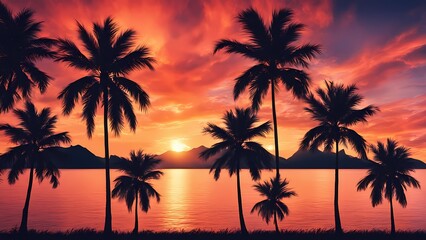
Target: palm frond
69 53
280 19
137 59
254 26
233 46
258 90
123 102
243 81
38 77
89 41
296 81
303 54
55 140
124 42
135 91
91 98
357 141
73 91
313 138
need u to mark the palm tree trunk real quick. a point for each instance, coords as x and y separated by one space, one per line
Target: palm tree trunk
136 229
274 117
240 202
276 222
336 193
108 221
24 222
392 217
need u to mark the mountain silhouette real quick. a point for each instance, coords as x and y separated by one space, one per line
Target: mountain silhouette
78 157
184 159
317 159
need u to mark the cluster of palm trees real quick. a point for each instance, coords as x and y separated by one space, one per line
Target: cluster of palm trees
273 48
108 56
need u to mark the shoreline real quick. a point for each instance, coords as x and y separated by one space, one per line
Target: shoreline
320 234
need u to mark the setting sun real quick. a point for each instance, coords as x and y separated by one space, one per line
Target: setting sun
178 146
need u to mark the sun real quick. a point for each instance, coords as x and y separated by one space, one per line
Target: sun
178 146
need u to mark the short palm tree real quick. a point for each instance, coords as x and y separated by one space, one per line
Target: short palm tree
34 137
273 48
139 171
236 148
20 48
335 111
110 57
272 207
389 175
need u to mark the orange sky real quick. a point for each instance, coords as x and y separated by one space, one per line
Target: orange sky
380 47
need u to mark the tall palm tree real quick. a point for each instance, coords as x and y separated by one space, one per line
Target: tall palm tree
139 170
236 148
109 58
335 111
34 137
273 48
20 48
389 175
274 190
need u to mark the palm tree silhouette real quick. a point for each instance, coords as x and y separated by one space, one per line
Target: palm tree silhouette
273 48
236 147
335 111
20 48
35 138
110 58
274 190
389 175
139 170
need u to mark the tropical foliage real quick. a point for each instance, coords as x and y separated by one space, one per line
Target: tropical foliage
273 48
34 136
336 112
135 184
274 191
20 48
236 148
111 56
389 175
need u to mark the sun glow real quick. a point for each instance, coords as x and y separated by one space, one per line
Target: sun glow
178 146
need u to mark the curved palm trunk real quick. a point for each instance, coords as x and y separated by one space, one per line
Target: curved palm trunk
108 221
24 221
274 117
136 229
336 193
392 217
240 203
276 222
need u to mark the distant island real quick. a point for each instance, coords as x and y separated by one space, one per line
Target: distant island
78 157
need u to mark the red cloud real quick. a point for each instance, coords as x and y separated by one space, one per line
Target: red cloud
191 86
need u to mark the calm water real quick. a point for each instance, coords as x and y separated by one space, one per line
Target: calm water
191 199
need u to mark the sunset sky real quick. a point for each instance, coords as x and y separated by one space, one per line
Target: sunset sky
379 45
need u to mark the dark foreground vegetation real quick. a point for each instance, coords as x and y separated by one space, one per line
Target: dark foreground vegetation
221 235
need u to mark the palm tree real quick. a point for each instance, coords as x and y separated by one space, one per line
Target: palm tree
277 58
110 58
34 138
139 171
335 111
20 48
236 147
272 206
389 175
